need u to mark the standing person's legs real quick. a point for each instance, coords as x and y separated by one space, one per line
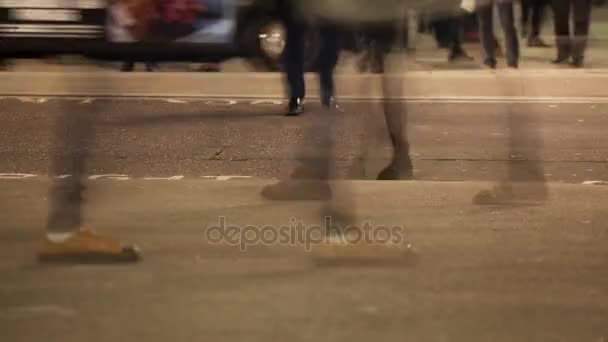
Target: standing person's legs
293 59
507 21
538 11
486 34
328 59
582 21
526 8
561 10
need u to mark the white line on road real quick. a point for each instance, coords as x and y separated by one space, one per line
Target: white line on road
16 175
273 101
173 178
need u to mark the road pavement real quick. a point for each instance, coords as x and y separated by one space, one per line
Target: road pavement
495 273
480 273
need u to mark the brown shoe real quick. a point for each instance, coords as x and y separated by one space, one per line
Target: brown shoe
338 250
87 247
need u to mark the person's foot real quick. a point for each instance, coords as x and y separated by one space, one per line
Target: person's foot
397 170
489 65
210 67
537 42
578 62
150 67
86 247
459 56
127 67
514 194
513 66
297 190
331 103
562 59
295 106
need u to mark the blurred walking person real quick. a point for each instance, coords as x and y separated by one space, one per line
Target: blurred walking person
534 10
485 11
294 58
571 48
67 238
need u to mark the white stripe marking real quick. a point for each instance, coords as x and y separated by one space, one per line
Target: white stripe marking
173 178
226 178
110 176
16 175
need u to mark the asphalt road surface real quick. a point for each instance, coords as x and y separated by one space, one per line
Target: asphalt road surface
499 273
194 138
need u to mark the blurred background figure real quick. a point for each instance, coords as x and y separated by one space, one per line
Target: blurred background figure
447 28
485 15
534 9
571 46
293 58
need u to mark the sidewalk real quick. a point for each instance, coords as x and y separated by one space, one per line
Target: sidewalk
495 273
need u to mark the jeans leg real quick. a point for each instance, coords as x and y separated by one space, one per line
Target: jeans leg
486 34
507 21
538 11
293 58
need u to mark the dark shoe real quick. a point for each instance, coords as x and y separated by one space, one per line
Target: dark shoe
331 104
561 60
578 62
87 247
297 190
397 170
295 107
459 56
150 67
489 65
514 194
127 67
537 42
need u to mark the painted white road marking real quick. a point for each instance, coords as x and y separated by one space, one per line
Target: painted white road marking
226 178
177 101
173 178
110 176
595 183
16 175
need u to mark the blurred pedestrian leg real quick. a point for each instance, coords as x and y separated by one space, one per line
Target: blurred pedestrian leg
486 32
67 238
524 183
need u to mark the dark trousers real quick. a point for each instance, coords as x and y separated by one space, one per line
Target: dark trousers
447 33
534 9
581 11
486 32
294 58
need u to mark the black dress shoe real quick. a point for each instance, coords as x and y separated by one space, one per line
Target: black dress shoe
537 42
127 67
578 62
459 56
295 107
561 60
